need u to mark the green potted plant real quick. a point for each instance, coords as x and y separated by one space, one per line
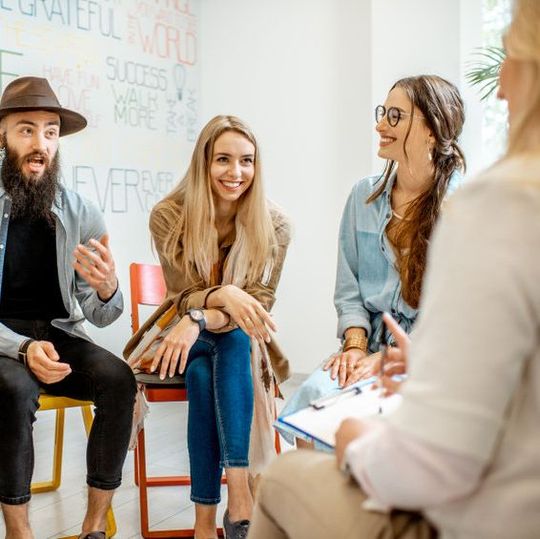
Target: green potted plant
484 72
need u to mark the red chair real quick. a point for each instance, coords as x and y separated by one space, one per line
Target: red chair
148 288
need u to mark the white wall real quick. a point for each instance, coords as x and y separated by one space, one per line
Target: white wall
307 74
298 72
470 40
427 37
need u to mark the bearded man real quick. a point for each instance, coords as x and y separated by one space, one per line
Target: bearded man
56 271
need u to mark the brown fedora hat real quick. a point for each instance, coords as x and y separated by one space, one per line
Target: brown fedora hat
34 93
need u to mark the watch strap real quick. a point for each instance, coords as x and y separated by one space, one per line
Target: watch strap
22 355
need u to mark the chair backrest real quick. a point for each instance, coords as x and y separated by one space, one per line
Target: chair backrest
147 288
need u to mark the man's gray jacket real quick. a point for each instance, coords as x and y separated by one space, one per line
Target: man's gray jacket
77 221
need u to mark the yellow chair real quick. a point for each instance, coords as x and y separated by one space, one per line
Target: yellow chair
50 402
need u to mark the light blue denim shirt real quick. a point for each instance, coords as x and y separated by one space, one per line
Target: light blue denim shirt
367 281
77 221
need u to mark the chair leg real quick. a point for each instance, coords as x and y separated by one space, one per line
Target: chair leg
47 486
277 440
88 418
144 483
143 487
136 465
110 530
277 443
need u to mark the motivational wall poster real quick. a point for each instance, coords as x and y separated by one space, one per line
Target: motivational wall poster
131 68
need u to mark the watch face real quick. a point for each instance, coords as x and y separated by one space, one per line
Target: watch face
196 315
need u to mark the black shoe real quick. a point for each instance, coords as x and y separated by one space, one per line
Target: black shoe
94 535
235 530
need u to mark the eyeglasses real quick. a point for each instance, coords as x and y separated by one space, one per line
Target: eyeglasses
393 115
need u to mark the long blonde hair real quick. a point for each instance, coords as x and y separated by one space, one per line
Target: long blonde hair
190 242
523 43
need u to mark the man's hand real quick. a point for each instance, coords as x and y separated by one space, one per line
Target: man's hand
42 360
343 364
349 430
96 267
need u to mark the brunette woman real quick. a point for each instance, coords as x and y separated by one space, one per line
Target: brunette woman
386 227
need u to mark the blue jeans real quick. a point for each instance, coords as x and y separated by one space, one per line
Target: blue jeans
220 389
97 375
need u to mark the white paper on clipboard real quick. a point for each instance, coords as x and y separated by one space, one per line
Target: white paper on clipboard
321 425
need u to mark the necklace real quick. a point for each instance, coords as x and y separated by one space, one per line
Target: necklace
397 216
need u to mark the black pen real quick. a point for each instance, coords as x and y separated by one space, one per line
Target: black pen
328 400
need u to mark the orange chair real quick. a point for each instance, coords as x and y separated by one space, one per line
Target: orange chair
148 288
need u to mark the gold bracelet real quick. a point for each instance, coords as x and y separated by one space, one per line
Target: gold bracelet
350 346
355 333
359 342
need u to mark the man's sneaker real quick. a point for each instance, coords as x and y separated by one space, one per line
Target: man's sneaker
235 530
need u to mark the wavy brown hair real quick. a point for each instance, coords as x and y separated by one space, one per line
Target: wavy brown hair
441 105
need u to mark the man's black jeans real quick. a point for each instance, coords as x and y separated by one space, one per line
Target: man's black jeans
98 376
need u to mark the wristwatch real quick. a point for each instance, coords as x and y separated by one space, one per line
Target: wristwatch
197 316
22 355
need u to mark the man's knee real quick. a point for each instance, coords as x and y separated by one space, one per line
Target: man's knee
116 375
19 391
123 377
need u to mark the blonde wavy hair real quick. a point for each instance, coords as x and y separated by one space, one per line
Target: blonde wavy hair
523 43
190 242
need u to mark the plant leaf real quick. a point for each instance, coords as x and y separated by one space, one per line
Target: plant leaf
484 71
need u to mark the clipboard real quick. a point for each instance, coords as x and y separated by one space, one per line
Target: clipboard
321 419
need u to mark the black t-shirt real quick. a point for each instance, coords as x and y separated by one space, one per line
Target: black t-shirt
30 288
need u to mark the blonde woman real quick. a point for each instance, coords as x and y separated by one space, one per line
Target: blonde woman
462 450
222 247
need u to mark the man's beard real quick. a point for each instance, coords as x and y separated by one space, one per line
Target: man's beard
31 198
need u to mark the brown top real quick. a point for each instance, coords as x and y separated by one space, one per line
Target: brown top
187 293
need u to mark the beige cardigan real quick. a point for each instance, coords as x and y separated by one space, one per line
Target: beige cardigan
474 386
269 364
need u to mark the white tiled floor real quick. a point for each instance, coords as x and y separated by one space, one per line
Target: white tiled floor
60 513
